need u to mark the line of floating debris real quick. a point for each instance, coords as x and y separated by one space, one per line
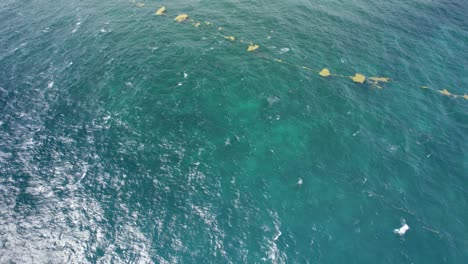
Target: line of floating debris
376 82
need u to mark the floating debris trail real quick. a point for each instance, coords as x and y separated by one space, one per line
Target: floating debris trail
359 78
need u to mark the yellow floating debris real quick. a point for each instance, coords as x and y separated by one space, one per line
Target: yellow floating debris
197 24
465 96
425 87
252 47
278 60
232 38
140 4
445 92
359 78
161 11
207 23
181 17
324 72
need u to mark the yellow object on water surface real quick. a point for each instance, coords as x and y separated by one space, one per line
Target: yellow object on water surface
252 47
324 73
359 78
161 11
445 92
181 17
374 82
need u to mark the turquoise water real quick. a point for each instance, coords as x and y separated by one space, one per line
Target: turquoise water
126 137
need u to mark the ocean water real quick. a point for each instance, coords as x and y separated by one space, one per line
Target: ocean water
127 137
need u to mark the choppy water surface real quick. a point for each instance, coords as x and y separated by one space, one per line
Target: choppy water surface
126 137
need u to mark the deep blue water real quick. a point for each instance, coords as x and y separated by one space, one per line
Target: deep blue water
127 137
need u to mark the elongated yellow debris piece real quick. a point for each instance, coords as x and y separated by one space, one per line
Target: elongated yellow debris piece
197 24
161 11
324 73
445 92
252 47
465 96
232 38
359 78
181 17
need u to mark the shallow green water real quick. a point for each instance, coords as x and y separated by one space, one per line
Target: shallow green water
129 138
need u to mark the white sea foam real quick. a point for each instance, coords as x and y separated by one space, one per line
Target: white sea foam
77 26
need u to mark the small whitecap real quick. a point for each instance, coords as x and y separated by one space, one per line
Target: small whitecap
179 84
20 46
272 99
277 236
77 25
392 148
299 182
185 75
284 49
50 84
